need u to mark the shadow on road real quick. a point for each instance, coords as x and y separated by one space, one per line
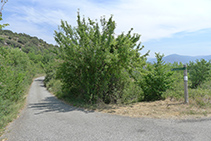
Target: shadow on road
40 79
52 104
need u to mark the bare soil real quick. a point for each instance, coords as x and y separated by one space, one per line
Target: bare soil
159 109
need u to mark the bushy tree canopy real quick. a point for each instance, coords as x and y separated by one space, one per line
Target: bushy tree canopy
95 62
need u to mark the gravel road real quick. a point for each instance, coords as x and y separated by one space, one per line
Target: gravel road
46 118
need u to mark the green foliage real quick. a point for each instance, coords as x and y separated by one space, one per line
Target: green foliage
2 25
50 71
199 97
16 72
199 72
176 90
157 80
22 40
13 43
95 64
38 50
36 58
132 93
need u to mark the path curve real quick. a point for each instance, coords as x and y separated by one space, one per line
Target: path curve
46 118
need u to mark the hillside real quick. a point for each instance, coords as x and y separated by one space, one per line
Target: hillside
23 41
180 58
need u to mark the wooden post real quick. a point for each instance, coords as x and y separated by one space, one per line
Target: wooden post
186 84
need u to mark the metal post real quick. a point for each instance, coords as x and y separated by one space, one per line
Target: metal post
186 84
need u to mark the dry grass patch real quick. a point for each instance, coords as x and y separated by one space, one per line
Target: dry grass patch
158 109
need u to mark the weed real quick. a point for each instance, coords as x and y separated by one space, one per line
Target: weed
205 113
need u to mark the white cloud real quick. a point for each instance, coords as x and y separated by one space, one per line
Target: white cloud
153 19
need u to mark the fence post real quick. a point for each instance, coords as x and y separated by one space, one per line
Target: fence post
186 84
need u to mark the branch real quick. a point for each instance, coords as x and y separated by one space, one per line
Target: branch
2 7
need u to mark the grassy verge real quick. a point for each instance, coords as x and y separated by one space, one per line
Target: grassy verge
13 108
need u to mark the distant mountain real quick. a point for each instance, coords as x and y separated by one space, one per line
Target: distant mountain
180 58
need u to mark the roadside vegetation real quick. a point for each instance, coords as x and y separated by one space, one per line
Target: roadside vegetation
95 66
92 66
18 66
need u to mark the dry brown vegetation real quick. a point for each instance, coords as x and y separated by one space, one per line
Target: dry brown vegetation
157 109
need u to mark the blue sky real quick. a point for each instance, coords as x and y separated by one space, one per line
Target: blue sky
166 26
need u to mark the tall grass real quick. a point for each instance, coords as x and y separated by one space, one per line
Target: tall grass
200 97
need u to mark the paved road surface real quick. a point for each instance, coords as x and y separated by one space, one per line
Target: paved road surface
47 119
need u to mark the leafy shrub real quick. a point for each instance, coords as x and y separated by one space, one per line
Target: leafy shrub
36 58
13 44
157 80
199 72
34 41
94 63
27 48
22 40
50 71
132 93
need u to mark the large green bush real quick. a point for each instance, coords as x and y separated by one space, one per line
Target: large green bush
96 63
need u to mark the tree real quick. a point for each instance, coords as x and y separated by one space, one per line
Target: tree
4 2
199 72
157 80
95 63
